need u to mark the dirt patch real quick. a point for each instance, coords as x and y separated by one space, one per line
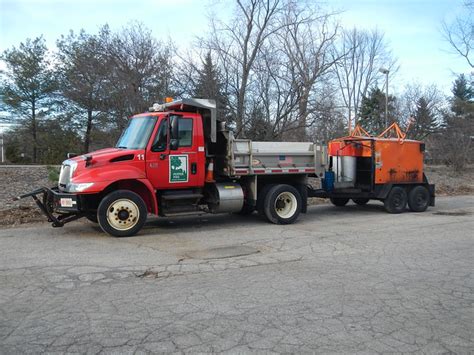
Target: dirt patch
20 215
450 183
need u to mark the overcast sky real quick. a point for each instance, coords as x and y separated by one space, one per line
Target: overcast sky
412 27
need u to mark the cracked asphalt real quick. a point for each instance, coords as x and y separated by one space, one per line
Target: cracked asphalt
340 280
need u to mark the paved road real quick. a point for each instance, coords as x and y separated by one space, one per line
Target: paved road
340 280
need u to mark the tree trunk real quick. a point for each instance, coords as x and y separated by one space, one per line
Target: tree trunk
303 115
33 131
87 136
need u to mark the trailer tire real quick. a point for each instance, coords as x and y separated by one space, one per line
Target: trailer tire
282 204
396 200
339 201
360 201
418 199
122 213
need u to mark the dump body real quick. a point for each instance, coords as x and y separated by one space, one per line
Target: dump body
243 157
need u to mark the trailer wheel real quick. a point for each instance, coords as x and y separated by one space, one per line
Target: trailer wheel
396 200
282 204
339 201
122 213
418 199
360 201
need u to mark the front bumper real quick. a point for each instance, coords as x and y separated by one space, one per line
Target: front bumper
59 207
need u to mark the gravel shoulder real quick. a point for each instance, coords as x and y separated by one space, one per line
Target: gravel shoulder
16 180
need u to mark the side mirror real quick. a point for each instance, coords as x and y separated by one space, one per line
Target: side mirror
174 132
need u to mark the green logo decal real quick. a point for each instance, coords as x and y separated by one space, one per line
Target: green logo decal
178 168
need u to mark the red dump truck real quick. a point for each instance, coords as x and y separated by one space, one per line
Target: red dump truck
178 159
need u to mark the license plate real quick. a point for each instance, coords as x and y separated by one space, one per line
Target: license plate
67 202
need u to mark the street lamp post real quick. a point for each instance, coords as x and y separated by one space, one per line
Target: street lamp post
385 71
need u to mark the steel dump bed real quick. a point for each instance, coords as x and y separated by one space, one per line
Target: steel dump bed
247 157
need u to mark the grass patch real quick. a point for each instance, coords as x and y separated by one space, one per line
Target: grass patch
53 173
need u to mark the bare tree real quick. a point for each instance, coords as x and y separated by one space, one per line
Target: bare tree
237 45
361 54
307 42
460 33
141 70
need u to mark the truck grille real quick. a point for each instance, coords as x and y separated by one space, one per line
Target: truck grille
64 176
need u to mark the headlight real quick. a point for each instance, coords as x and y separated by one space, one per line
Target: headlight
79 187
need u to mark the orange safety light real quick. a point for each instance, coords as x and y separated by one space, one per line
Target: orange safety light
168 99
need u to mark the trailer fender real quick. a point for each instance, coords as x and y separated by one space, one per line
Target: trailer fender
382 191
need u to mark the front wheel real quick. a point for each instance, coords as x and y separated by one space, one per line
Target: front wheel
282 204
122 213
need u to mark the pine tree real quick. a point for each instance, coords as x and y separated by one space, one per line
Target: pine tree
372 111
28 84
83 74
463 93
208 85
425 121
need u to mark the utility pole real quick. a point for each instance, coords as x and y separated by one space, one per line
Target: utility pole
3 150
385 71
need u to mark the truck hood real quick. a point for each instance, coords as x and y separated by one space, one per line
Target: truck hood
107 155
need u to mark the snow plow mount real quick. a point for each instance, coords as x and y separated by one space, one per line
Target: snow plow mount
60 208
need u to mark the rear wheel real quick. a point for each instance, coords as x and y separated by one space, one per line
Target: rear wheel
418 199
396 200
122 213
360 201
282 204
339 201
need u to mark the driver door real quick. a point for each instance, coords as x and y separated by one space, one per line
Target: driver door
172 158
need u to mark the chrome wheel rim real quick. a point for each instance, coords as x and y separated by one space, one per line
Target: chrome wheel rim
123 214
285 205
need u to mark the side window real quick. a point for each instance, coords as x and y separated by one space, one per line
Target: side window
185 132
161 138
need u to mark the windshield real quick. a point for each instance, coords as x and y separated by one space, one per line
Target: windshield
137 133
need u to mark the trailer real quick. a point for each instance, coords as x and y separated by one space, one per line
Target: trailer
179 159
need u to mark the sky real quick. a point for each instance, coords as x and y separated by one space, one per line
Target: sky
411 27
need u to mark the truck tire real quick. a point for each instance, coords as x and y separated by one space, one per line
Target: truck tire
418 199
396 200
339 201
261 198
282 204
122 213
360 201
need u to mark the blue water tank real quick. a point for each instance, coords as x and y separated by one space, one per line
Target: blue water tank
328 181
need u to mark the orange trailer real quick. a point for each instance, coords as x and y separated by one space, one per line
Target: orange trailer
389 169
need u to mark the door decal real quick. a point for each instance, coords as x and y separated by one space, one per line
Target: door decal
178 168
